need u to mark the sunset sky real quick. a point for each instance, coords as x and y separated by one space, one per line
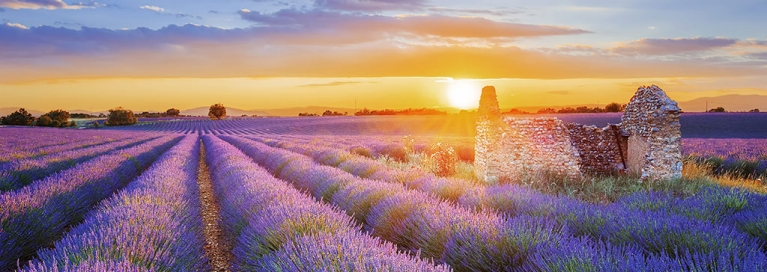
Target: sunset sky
261 54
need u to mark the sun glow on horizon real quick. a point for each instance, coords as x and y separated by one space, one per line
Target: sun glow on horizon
464 94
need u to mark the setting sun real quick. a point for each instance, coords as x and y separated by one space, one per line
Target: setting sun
463 94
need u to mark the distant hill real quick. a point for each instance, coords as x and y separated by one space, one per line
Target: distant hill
733 102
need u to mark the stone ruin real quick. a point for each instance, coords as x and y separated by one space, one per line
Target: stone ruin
647 142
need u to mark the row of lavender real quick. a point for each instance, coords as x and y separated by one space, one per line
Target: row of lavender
277 228
238 126
16 143
36 215
448 188
153 224
703 231
344 125
480 241
746 157
19 173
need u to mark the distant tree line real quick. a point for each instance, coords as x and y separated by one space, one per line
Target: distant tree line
172 112
326 113
410 111
612 107
54 118
86 115
721 109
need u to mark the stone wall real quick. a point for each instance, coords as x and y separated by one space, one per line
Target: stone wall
647 142
486 165
540 146
599 148
655 139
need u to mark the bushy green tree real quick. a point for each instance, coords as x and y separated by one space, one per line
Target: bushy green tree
217 111
44 121
19 118
613 107
120 117
55 118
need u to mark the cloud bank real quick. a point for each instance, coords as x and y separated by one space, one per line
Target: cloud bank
37 4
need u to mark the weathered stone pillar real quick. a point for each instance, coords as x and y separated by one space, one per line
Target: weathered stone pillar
651 120
488 135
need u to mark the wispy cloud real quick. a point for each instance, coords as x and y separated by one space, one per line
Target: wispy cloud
16 25
370 5
153 8
177 14
431 25
494 12
651 46
38 4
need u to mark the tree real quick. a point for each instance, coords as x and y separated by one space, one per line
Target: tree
120 117
19 118
717 109
613 107
55 118
61 115
44 121
217 112
172 112
754 110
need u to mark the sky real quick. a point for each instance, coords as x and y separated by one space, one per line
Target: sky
262 54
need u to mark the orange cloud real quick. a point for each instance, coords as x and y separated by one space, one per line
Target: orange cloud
368 46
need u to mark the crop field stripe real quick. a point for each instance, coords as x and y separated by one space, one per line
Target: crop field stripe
36 215
513 200
414 220
154 223
15 144
281 229
218 248
13 139
74 144
529 241
446 188
18 174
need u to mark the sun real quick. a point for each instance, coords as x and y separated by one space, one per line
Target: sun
463 94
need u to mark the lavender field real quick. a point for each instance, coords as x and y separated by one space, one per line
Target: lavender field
343 194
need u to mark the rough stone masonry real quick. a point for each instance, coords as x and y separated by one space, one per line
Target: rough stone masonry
646 143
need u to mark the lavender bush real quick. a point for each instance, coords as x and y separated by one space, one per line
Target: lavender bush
37 214
154 223
278 228
19 173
